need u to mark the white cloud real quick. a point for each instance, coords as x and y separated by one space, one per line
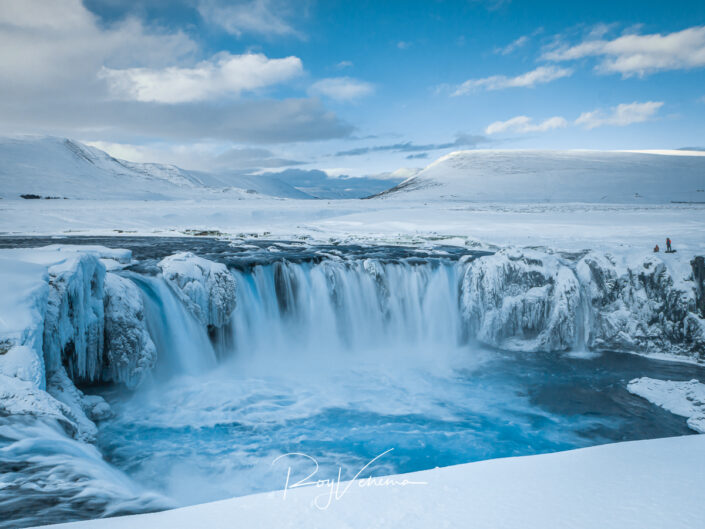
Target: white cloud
640 54
223 75
621 115
51 52
524 124
264 17
403 45
513 46
341 88
344 64
47 45
541 75
59 14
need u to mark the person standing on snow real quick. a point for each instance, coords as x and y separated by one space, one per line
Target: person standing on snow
668 244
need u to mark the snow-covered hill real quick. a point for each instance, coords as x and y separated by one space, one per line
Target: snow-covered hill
63 168
559 176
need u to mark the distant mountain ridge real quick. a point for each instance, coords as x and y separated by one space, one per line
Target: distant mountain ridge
50 167
557 176
64 168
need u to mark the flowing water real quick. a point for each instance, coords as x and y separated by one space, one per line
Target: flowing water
342 353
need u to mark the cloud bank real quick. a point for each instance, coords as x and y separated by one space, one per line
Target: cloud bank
224 75
64 72
618 116
640 55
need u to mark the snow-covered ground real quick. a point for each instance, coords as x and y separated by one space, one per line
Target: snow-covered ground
636 485
686 399
559 226
615 201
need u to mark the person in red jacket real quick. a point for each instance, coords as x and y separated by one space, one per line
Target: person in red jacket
656 249
668 244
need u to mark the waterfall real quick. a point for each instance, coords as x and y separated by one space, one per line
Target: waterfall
321 310
292 313
182 343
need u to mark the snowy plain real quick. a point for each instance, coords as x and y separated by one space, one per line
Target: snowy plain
600 200
573 226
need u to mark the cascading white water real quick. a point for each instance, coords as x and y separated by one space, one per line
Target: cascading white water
182 343
372 340
47 477
335 308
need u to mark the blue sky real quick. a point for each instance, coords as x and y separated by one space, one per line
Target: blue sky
351 88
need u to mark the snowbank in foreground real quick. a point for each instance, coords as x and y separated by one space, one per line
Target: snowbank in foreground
205 287
686 399
642 484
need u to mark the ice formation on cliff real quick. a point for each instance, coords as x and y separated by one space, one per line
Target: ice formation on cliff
205 287
531 300
130 353
521 300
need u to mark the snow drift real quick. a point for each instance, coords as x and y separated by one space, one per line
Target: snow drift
558 176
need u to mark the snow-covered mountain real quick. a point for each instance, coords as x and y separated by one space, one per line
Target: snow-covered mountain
559 176
64 168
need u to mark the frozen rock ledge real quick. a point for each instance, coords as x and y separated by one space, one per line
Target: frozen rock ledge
65 321
529 300
130 353
205 287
